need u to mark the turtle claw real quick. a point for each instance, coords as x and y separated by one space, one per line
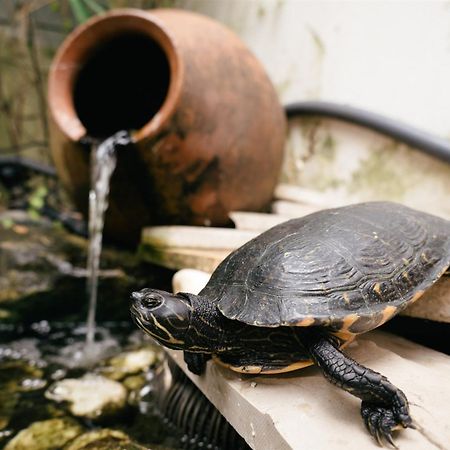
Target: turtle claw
388 437
380 421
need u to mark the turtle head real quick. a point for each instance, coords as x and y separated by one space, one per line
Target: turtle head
164 316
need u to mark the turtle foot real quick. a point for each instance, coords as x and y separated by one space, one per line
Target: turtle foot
196 362
382 420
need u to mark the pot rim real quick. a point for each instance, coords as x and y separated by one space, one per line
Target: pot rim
76 49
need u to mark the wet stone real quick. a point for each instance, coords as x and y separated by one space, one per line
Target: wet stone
102 439
51 434
131 362
91 396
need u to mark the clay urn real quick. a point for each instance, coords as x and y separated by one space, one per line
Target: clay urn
207 127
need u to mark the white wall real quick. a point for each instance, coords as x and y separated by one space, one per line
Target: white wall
392 57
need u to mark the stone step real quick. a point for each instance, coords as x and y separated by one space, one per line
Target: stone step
204 238
301 410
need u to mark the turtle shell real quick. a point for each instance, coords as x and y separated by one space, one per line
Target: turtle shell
349 268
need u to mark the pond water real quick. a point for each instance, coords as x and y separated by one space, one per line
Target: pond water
33 362
71 384
58 372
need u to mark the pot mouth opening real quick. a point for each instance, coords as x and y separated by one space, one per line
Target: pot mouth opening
119 71
122 85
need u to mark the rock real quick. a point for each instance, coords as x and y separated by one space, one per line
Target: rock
131 362
104 439
50 434
435 303
195 279
91 396
134 382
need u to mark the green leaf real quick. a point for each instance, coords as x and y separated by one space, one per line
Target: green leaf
94 6
37 198
80 11
7 223
33 214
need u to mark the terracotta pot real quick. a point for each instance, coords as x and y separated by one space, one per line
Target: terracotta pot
207 125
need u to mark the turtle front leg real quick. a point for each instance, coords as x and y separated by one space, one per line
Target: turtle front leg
384 407
196 362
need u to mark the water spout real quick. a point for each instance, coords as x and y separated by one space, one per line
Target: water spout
103 163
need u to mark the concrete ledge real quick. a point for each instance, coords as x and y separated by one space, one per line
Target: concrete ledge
301 410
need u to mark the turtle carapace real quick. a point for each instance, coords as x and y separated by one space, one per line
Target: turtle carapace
299 292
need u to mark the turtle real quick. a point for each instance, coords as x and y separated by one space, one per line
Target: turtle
298 293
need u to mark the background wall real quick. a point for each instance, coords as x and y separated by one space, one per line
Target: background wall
389 57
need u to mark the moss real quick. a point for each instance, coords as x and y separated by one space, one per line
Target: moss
261 11
98 439
320 46
50 434
328 147
379 173
311 163
283 87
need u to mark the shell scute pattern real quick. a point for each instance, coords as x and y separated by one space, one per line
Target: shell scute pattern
319 269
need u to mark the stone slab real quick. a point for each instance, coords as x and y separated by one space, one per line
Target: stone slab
207 238
300 410
435 303
303 411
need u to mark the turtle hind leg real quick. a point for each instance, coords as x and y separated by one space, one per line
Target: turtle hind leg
196 362
384 407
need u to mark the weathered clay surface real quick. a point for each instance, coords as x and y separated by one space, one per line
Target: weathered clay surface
216 143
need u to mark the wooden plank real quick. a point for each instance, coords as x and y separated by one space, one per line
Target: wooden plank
209 238
300 410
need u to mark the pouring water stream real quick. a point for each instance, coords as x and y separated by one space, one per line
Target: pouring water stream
103 163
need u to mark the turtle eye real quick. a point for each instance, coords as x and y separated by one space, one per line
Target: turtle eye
147 299
152 300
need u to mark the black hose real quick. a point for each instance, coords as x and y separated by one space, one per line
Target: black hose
29 164
185 409
428 143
